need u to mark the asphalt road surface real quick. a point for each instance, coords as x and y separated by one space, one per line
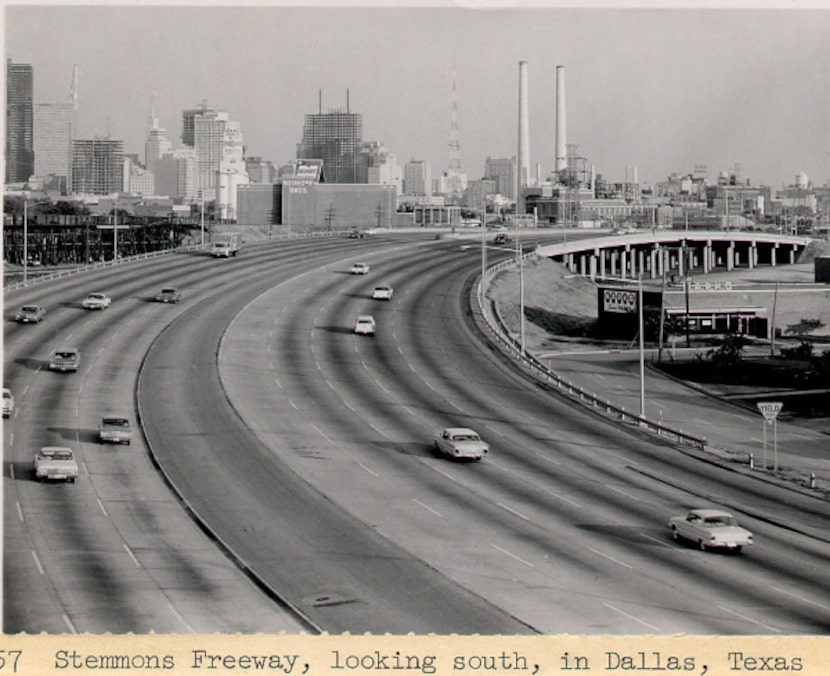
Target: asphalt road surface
305 451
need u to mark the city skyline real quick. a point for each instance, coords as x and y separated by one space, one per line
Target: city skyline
657 89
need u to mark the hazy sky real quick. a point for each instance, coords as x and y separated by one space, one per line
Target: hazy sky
656 88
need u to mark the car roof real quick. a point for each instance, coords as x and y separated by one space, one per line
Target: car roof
96 293
710 512
114 416
460 430
383 286
6 390
365 318
55 449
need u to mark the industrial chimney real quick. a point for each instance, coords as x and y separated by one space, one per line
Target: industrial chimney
561 151
523 155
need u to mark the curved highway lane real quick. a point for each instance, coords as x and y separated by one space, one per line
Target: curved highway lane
306 451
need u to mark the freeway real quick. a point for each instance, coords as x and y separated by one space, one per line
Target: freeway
304 450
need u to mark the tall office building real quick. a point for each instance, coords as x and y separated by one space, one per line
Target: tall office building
20 154
97 166
333 137
54 130
503 171
417 178
175 175
157 145
231 172
204 130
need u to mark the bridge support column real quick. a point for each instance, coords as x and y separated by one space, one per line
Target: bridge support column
592 264
582 265
773 255
632 261
753 255
602 262
730 257
707 257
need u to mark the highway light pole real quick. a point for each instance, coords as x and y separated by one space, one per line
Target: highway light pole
25 239
642 350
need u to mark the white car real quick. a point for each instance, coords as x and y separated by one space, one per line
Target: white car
710 528
365 325
8 402
115 429
382 292
97 301
56 462
30 314
359 269
461 442
65 359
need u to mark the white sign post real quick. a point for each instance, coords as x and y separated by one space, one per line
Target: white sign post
770 411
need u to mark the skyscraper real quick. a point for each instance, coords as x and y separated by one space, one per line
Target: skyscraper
417 178
97 166
503 171
333 137
20 155
54 130
157 145
203 129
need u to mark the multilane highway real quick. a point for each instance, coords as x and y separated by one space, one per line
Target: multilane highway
305 451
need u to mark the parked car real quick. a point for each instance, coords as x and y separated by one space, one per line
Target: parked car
30 314
710 528
115 429
365 325
8 402
65 359
461 442
359 269
97 301
169 294
55 462
382 292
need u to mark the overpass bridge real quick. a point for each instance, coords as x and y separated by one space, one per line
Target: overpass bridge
667 252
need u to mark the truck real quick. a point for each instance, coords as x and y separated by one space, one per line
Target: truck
225 245
56 462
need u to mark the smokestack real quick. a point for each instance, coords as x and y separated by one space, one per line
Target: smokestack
320 100
523 163
561 153
347 100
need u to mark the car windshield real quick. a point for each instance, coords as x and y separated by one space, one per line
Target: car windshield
7 394
29 308
120 422
720 520
168 291
465 437
65 355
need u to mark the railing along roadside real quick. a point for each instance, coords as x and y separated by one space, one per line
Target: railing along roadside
69 272
539 370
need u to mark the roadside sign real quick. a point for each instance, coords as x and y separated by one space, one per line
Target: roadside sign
769 409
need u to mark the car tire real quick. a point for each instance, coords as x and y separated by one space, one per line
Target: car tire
702 545
738 549
71 480
674 534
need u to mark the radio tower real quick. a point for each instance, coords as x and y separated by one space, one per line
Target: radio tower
454 173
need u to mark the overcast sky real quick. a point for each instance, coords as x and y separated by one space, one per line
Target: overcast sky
660 89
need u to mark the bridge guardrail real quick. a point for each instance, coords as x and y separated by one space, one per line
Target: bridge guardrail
502 335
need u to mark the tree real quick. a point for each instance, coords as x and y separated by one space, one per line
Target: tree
730 352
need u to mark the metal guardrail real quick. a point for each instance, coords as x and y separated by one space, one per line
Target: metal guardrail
539 370
69 272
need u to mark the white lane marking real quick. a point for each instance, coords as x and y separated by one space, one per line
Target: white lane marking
349 406
291 401
374 474
26 389
654 539
270 364
181 619
702 422
564 499
442 472
427 507
749 619
622 492
19 511
320 432
38 563
610 558
454 405
132 556
328 382
513 511
101 505
277 381
409 410
632 617
512 556
11 471
800 598
68 623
